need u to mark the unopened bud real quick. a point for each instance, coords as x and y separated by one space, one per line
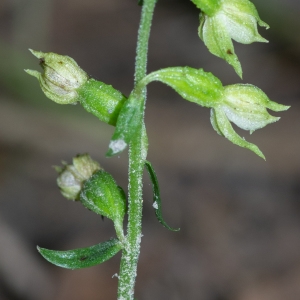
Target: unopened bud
64 82
61 77
72 177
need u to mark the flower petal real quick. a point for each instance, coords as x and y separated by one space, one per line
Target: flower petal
242 28
249 119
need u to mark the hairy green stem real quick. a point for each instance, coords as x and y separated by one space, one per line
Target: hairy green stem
137 156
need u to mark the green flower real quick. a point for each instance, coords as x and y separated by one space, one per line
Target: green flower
242 104
229 19
61 77
246 106
64 82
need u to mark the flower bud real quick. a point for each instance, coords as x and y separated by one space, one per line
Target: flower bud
234 19
64 82
61 77
72 177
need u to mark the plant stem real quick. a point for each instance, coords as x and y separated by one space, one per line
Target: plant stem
137 156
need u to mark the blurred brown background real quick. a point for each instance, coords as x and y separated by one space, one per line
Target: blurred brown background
239 216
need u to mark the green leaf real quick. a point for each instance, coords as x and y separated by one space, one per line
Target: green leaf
194 85
101 100
130 117
140 2
82 257
156 196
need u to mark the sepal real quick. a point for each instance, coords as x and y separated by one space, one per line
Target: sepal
215 36
223 127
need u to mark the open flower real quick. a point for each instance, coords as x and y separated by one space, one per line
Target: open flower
242 104
224 20
61 77
246 106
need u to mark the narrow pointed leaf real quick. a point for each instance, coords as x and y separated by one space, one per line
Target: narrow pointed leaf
156 196
82 257
128 121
